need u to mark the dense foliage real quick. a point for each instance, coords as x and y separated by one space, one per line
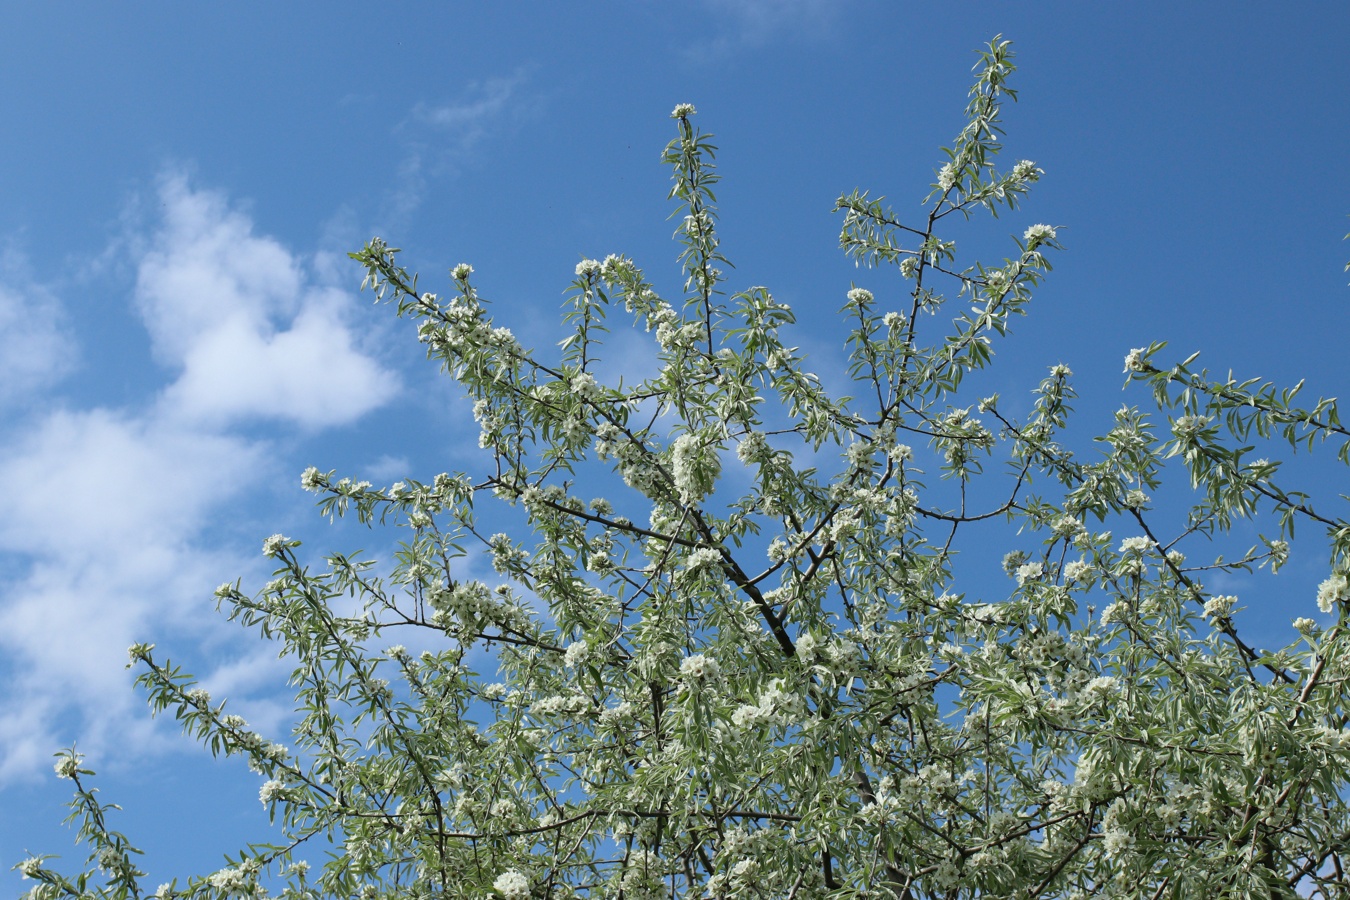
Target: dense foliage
754 666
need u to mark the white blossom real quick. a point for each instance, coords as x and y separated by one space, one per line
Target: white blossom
1077 570
576 654
230 880
703 559
698 667
1218 607
1187 427
1029 572
694 468
947 176
753 447
1026 170
1331 591
312 479
612 715
1135 545
1136 499
1038 234
271 790
512 885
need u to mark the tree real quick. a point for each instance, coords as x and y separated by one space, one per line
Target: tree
757 671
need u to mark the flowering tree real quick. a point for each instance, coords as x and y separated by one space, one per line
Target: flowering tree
755 669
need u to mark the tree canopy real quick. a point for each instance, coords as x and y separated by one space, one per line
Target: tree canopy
730 650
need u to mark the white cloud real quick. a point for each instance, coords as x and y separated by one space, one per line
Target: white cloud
105 509
110 530
217 299
35 349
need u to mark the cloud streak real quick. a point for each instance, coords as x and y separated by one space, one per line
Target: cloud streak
754 23
442 137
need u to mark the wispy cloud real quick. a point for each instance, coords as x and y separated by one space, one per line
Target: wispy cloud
441 138
109 534
754 23
465 122
35 345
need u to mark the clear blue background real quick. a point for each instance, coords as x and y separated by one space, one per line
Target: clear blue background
1196 160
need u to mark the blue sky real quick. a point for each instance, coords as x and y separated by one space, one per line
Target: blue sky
180 332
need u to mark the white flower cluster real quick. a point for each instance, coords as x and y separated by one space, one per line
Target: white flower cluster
1134 360
694 467
635 464
1135 545
753 447
1136 499
461 272
68 766
1336 740
996 282
1118 612
231 880
312 479
275 545
683 109
1219 607
1333 590
699 667
585 385
615 715
1029 572
588 267
1117 839
461 332
271 790
947 176
506 556
1026 170
703 559
860 296
1038 234
1077 571
1187 427
576 653
771 709
471 605
1102 687
558 705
